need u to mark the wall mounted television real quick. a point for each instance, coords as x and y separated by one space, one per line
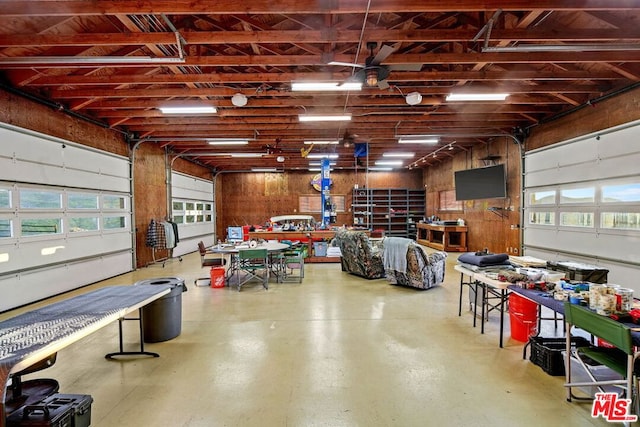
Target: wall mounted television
482 183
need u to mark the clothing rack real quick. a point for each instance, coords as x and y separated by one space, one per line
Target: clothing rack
162 235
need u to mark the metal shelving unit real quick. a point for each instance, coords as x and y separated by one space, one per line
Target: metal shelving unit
395 211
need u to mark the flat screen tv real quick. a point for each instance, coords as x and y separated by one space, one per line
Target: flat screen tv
234 234
482 183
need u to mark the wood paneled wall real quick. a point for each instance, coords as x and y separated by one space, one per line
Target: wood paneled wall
499 232
253 198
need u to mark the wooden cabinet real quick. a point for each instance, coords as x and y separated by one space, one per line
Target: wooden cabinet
395 211
448 238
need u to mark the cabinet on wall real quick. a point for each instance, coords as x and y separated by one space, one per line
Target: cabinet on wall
395 211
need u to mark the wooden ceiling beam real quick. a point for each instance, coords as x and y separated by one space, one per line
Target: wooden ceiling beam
329 35
186 7
252 78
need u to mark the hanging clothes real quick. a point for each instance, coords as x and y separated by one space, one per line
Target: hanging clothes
170 238
152 235
175 231
161 240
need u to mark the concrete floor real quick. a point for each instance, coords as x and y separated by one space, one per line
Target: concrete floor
336 350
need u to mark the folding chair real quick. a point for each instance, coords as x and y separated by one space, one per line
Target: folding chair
621 358
208 260
292 260
253 264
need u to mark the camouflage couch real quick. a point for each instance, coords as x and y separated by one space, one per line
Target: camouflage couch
359 255
406 263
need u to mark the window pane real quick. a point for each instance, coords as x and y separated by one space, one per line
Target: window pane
200 218
6 229
577 195
34 227
621 193
178 206
191 219
190 206
5 198
576 219
620 220
542 198
77 225
82 201
542 218
114 202
112 222
33 199
199 206
208 218
207 206
178 219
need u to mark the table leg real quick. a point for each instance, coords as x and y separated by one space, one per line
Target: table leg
475 302
485 302
503 295
120 339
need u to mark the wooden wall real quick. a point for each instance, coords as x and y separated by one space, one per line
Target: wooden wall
499 232
252 198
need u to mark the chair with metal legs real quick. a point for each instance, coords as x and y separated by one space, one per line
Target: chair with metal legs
620 358
253 264
207 260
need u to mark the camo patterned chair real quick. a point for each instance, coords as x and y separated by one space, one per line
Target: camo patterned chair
406 263
359 255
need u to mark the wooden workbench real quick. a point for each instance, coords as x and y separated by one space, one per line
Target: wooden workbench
448 238
305 237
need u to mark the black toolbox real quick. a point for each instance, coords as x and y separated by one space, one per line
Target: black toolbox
79 403
41 415
579 272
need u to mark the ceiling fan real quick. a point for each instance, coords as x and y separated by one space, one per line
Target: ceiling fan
372 72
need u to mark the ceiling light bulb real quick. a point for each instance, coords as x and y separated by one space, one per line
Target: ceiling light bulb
413 98
371 77
280 159
239 100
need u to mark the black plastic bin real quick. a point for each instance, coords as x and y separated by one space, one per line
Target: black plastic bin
162 319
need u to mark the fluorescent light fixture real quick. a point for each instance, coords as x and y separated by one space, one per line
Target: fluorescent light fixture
324 117
189 110
321 142
477 96
399 154
90 60
325 86
227 141
561 48
418 140
323 156
264 170
389 162
246 154
374 168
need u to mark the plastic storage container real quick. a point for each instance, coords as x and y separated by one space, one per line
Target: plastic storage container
41 415
523 315
320 248
217 277
80 403
162 318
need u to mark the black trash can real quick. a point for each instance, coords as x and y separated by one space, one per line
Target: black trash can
162 318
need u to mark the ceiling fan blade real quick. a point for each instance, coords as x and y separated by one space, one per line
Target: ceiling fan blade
406 67
382 54
345 64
